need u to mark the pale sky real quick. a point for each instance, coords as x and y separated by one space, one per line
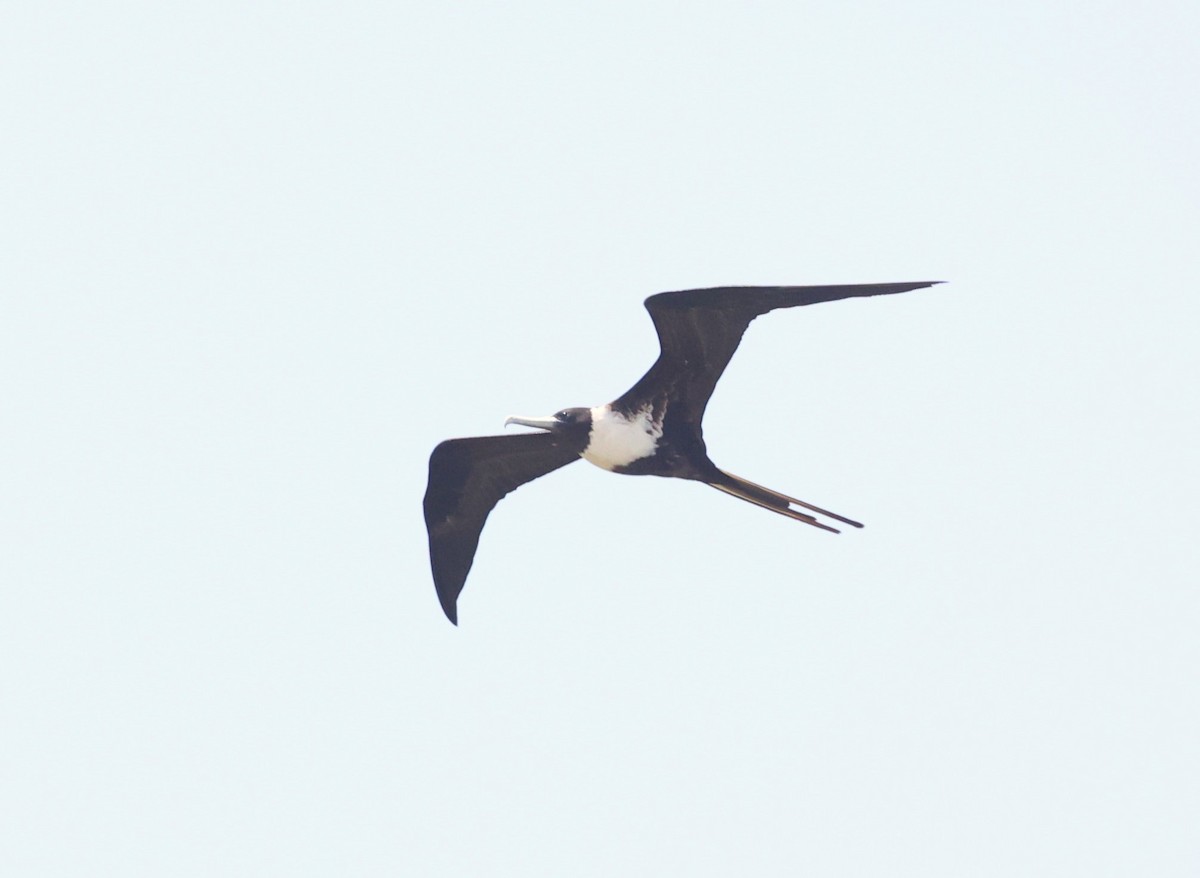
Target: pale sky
257 260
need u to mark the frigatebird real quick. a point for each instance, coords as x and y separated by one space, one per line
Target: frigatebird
653 429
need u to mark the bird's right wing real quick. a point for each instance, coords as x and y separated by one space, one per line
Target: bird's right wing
467 478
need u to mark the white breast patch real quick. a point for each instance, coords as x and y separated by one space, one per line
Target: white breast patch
619 441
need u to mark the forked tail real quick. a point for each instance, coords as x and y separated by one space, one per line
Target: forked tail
776 502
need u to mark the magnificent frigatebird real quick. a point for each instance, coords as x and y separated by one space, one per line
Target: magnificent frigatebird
652 430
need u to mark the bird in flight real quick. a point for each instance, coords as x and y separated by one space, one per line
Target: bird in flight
653 429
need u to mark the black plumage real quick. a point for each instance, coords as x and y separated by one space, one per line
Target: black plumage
652 429
467 478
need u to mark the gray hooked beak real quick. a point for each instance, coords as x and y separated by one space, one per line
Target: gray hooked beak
539 423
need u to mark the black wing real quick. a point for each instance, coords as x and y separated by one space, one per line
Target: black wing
698 331
467 478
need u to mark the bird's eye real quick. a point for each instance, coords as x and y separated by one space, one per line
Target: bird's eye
562 416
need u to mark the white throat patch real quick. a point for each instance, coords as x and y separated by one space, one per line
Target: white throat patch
619 441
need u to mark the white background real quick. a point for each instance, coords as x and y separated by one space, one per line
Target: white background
256 260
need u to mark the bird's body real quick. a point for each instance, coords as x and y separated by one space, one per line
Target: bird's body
652 429
617 441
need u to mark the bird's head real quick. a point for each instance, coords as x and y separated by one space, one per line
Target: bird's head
574 425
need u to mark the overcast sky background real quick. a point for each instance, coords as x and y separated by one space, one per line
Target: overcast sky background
257 260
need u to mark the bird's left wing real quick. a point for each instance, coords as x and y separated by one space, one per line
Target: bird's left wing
467 478
698 331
